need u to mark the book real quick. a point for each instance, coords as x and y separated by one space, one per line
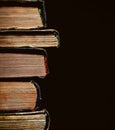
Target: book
19 96
35 120
23 62
32 38
22 14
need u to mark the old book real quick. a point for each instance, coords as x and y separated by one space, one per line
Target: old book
33 38
22 62
19 96
22 14
35 120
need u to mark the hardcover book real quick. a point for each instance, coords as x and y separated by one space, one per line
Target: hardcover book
19 96
20 14
35 120
23 62
33 38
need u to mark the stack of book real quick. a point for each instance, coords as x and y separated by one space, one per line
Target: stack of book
23 59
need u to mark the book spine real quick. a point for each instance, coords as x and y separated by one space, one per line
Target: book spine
48 120
56 33
42 12
39 101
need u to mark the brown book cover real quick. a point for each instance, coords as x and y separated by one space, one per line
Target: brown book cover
22 14
23 62
33 38
35 120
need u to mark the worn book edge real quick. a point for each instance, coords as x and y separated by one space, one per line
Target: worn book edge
28 50
28 3
32 32
44 111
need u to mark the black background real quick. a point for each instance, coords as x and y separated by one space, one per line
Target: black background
77 91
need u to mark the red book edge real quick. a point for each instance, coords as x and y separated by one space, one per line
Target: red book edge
46 65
